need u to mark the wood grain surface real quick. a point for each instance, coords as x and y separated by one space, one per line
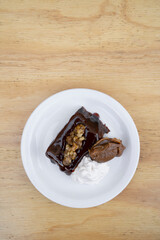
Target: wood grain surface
48 46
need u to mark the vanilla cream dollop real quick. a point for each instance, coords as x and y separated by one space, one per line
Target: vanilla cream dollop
90 172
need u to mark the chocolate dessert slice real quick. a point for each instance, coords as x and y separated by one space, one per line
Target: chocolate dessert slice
82 131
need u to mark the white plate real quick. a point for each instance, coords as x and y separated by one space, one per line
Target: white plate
44 124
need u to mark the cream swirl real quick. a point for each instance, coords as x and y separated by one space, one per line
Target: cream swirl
90 172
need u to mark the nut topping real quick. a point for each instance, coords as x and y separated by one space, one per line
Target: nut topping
73 142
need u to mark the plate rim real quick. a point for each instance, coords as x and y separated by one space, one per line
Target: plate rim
77 205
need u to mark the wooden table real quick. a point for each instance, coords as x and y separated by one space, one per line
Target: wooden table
48 46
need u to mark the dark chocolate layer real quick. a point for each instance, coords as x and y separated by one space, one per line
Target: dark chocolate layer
94 131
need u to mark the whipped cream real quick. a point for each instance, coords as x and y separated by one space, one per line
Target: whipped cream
90 172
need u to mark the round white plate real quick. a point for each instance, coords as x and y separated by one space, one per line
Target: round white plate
44 124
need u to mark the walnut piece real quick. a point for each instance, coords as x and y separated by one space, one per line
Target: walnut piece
73 142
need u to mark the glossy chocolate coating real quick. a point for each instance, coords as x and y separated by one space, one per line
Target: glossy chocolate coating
94 131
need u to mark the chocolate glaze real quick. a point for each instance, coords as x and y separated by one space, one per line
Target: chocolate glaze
94 131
